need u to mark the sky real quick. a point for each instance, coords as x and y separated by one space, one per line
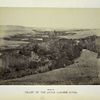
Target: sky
67 18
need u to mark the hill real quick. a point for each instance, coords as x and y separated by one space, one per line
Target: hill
33 51
83 71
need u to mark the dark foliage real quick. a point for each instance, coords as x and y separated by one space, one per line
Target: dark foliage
56 53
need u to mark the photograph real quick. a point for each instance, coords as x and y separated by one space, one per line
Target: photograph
49 46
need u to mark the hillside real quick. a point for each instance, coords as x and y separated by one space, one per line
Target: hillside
9 30
83 71
70 54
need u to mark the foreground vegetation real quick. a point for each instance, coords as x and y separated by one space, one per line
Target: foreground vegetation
61 60
81 72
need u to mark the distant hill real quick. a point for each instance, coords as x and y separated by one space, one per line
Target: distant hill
15 29
12 30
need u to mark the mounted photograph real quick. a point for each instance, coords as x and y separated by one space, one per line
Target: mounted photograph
49 46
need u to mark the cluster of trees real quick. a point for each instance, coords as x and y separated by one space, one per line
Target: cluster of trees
50 55
89 43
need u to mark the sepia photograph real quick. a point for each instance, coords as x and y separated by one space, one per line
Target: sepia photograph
49 46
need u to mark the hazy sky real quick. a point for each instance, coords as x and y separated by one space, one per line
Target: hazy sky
51 17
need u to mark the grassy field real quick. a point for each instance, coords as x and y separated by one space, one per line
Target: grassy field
83 71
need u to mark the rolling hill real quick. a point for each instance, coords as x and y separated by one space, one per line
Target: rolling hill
83 71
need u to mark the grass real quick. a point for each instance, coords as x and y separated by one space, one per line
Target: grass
83 71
